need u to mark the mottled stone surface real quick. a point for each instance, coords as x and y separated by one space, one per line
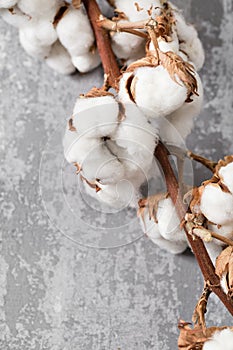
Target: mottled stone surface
58 289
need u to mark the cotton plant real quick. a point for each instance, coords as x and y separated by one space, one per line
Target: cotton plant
151 95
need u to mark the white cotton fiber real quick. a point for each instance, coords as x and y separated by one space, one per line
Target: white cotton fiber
221 340
86 62
60 60
226 175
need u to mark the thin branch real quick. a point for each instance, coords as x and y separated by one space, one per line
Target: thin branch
221 238
107 56
204 161
199 250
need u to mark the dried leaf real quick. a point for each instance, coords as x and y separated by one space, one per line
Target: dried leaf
60 13
165 22
194 339
96 92
151 203
149 61
196 199
223 261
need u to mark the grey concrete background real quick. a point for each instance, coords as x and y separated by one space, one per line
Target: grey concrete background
56 294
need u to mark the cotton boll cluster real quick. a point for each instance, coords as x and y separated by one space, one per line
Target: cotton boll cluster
161 224
112 145
55 31
221 340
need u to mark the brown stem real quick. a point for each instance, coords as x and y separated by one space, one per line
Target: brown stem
221 238
107 56
204 161
199 250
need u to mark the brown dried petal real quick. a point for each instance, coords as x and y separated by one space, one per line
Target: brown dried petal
180 70
96 92
224 262
194 339
76 3
60 13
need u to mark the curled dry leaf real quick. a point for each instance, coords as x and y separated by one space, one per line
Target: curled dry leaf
151 203
224 269
194 339
165 22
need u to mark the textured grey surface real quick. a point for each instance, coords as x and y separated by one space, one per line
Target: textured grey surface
55 293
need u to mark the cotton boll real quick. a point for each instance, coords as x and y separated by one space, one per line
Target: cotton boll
166 46
217 205
60 60
96 116
7 3
183 118
44 31
15 17
87 62
31 45
226 175
140 53
168 222
39 8
156 93
75 33
221 340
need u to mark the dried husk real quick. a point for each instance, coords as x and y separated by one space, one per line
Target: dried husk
151 203
224 268
61 12
194 339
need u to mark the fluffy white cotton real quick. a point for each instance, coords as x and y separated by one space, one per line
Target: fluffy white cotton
39 8
226 175
217 205
168 221
156 93
167 233
15 17
101 164
87 62
97 116
120 195
7 3
31 44
75 33
221 340
183 118
60 60
189 41
166 46
125 45
138 138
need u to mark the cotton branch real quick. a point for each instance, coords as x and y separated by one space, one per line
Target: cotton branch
112 71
